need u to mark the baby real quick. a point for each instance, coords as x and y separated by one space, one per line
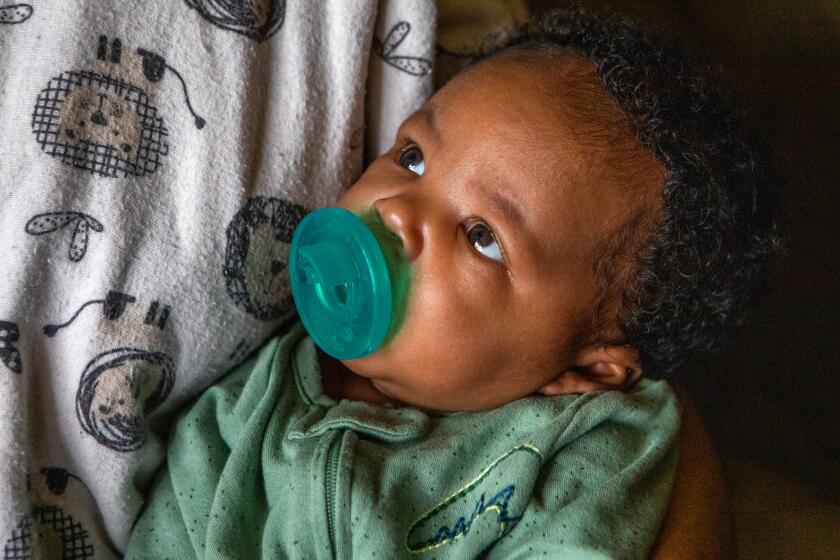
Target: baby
576 209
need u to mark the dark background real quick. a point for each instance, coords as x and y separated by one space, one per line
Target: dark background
774 391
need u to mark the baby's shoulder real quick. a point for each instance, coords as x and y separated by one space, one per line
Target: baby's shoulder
648 414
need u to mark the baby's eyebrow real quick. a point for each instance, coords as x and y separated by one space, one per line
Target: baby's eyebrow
428 118
505 206
512 214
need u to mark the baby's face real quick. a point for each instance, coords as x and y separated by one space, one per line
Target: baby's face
500 210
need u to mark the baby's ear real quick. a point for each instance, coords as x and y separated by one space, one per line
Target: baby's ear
598 368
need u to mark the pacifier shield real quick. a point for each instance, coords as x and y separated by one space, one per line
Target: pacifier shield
340 283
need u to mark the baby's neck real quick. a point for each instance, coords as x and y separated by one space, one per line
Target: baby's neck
339 382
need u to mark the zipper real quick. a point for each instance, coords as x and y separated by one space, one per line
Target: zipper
330 483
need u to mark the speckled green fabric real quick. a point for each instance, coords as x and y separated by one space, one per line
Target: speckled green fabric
264 465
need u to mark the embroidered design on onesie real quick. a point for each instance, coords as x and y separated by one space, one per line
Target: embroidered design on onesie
81 224
256 19
48 531
15 13
414 65
9 355
257 255
117 391
488 506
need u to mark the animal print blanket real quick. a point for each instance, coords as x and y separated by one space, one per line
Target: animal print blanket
154 159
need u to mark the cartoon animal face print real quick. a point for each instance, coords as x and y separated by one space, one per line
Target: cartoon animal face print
117 390
99 120
257 19
49 532
256 260
265 264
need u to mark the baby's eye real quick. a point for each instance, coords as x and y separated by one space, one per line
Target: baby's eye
412 159
484 241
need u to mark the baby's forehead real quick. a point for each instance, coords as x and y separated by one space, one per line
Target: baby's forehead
553 98
569 88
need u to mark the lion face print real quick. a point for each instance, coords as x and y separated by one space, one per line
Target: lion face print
265 265
117 390
49 529
255 19
100 118
257 255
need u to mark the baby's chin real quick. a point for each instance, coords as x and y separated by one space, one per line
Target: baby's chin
360 366
377 374
383 388
395 398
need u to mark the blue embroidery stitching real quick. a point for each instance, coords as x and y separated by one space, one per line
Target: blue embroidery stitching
445 535
462 527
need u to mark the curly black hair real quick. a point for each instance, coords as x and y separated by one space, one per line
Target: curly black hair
705 261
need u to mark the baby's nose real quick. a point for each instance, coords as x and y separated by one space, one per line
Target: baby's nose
401 219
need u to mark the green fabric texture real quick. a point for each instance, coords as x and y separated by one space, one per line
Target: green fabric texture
264 465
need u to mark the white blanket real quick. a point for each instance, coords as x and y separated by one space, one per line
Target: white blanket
155 157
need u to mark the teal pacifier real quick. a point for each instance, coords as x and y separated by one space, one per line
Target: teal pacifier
340 283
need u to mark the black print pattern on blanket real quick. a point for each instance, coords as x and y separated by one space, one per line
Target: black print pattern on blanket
48 531
56 533
414 65
357 138
154 67
117 390
257 253
101 121
81 224
57 479
158 314
113 306
15 13
257 19
240 351
9 355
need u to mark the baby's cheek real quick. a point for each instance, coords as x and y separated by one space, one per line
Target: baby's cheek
437 330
